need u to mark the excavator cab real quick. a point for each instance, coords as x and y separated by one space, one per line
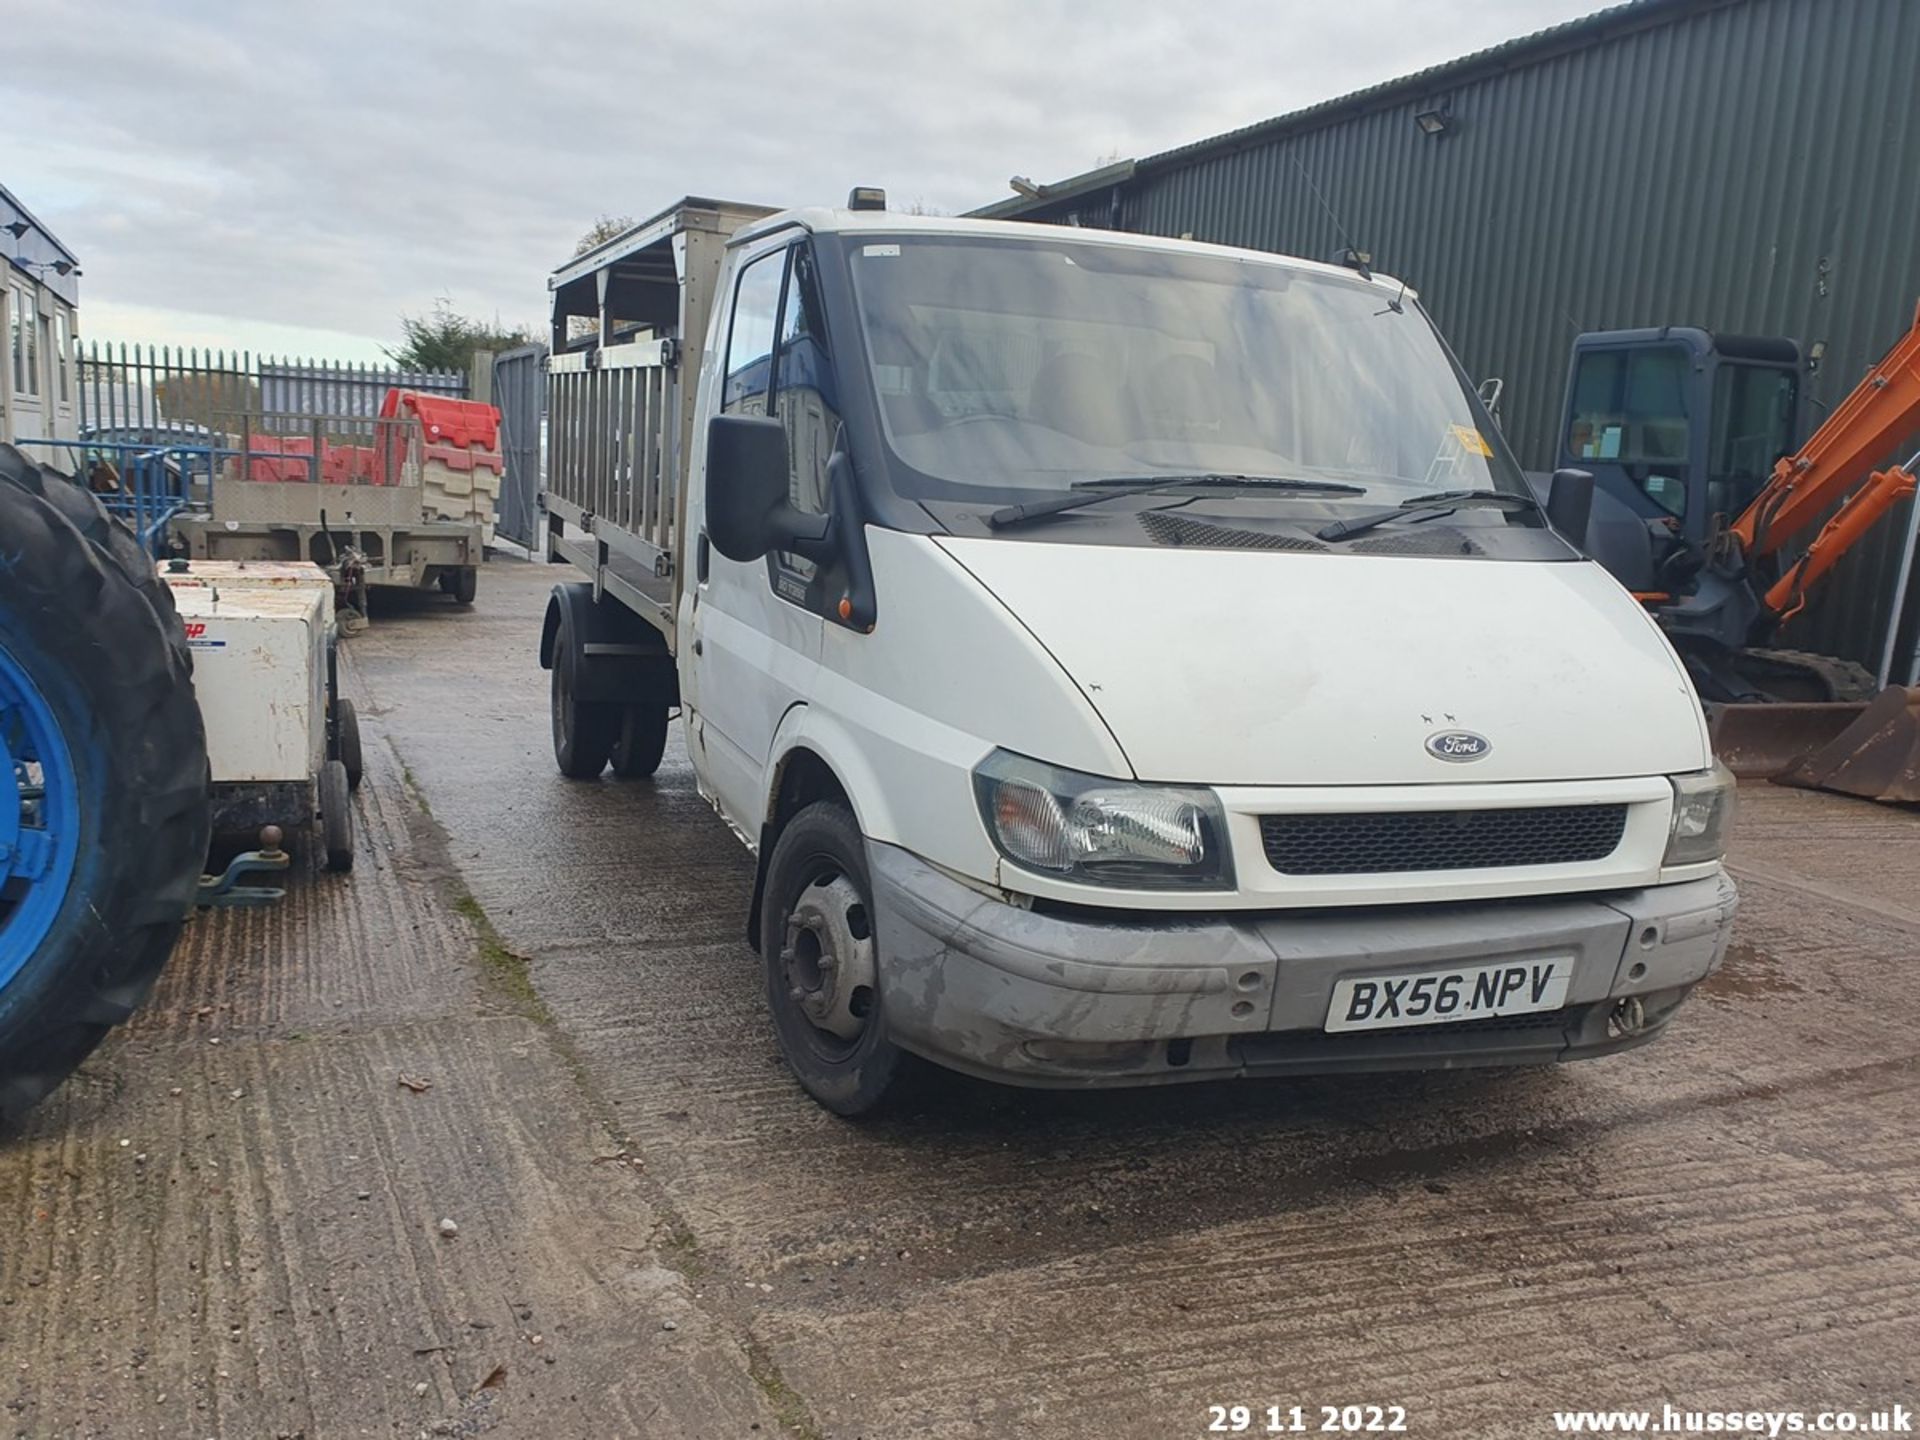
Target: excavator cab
1709 506
1680 426
1681 429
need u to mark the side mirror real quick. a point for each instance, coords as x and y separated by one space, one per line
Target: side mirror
748 514
1570 504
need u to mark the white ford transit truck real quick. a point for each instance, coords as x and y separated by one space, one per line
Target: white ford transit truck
1130 660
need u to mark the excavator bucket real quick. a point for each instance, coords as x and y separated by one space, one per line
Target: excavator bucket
1877 756
1760 741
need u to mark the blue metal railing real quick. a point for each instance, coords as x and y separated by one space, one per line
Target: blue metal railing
147 484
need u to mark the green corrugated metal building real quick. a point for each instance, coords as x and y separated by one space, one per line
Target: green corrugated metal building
1750 166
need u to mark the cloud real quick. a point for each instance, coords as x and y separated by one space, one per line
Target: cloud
326 167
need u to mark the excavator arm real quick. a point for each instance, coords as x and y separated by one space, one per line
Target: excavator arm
1850 524
1874 750
1882 411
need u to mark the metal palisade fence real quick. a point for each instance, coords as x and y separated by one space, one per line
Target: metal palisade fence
159 394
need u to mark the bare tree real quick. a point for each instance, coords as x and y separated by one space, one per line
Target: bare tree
603 230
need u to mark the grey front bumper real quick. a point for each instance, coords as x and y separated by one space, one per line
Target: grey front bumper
1041 999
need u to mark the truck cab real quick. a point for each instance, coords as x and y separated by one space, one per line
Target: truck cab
1135 661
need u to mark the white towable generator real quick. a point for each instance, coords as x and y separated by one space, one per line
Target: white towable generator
283 745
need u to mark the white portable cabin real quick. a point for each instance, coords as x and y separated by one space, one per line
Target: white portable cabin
39 304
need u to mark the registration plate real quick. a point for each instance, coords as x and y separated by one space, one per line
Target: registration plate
1438 997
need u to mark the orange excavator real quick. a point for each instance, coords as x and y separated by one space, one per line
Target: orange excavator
1701 504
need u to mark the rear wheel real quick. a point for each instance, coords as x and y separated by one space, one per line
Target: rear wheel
642 740
336 816
822 964
103 778
584 732
465 584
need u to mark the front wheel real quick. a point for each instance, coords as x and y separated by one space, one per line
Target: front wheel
822 964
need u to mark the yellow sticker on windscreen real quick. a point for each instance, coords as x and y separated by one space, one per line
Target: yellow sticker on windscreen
1471 440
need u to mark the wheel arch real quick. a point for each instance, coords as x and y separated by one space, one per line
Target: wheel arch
634 665
813 759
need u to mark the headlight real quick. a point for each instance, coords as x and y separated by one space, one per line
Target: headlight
1702 816
1103 832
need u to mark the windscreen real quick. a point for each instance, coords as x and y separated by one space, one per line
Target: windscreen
1017 365
1630 406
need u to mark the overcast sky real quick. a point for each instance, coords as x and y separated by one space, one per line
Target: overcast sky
292 177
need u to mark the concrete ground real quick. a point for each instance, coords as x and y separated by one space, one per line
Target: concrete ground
530 1011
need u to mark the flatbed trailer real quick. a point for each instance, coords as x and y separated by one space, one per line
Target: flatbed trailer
286 521
402 499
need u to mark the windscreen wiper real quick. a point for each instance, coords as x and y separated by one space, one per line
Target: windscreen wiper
1426 504
1092 492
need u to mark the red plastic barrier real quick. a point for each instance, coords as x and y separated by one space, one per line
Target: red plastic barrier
447 421
286 457
349 465
460 434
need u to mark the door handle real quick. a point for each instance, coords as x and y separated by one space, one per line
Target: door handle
702 559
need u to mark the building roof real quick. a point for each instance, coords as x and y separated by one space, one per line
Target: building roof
1434 81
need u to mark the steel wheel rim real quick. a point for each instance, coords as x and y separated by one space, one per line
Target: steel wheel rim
827 964
39 817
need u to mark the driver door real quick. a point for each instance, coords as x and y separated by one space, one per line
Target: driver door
754 654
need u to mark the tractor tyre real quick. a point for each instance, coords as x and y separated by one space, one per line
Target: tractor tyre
103 778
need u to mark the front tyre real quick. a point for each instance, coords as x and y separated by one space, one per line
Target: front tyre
823 983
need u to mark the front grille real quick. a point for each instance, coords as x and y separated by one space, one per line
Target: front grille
1374 844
